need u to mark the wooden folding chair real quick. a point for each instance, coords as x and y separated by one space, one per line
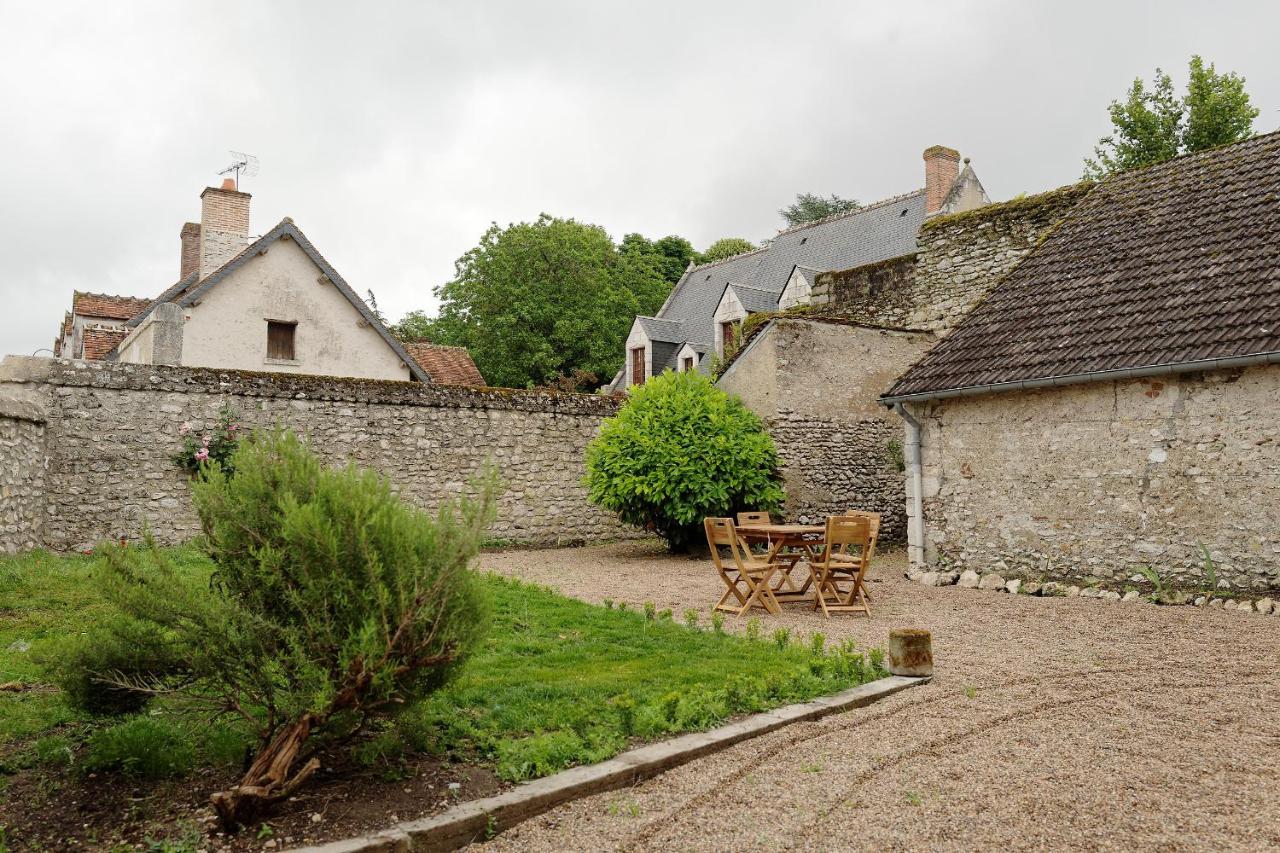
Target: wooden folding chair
754 518
747 578
874 519
844 560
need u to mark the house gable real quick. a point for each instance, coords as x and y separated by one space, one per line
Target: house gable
281 277
227 325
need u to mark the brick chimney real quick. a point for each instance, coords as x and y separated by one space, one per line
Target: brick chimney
224 225
941 168
190 249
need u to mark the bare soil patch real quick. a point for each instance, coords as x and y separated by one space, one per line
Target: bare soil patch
46 810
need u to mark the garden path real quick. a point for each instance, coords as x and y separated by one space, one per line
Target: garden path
1051 723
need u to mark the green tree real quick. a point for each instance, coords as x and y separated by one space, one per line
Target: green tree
417 326
669 255
538 300
680 450
1154 125
810 208
331 602
1218 109
725 247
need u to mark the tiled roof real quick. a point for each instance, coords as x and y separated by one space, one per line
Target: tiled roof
107 307
100 340
877 232
445 365
1169 265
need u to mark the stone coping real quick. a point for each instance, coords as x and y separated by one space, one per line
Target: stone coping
480 819
248 383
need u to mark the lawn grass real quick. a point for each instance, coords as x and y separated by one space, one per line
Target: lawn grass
557 682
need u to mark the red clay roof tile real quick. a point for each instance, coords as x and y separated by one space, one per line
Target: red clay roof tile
445 365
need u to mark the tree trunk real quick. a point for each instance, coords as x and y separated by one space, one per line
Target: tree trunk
268 779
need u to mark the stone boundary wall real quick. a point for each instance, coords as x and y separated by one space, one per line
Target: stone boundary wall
1086 484
111 431
22 472
831 466
959 259
964 255
815 383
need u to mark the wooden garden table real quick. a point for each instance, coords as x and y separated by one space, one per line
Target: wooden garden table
788 545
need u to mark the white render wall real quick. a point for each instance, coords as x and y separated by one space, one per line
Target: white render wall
228 328
636 339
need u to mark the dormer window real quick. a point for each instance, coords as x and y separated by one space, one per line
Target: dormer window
727 333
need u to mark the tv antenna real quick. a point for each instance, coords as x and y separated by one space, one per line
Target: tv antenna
245 164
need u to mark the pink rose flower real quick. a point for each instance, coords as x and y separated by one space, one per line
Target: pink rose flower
185 428
233 427
206 440
202 454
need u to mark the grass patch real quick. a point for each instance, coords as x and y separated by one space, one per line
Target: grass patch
557 683
560 682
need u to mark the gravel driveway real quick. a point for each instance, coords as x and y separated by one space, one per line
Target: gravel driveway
1051 724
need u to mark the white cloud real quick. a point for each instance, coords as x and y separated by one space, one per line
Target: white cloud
394 133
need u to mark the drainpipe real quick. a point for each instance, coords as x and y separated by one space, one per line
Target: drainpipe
915 490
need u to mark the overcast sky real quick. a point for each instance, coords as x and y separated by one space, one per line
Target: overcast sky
394 133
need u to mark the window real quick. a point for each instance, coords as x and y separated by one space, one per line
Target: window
687 365
727 333
280 337
637 366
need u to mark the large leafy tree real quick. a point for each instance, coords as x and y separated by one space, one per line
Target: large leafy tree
539 300
810 208
1152 125
725 247
669 256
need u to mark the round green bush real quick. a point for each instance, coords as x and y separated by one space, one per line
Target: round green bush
680 450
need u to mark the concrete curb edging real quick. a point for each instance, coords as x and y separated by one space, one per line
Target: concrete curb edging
469 822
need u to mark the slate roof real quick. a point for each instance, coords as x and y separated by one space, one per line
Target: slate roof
106 306
662 330
877 232
445 365
100 340
754 299
1174 264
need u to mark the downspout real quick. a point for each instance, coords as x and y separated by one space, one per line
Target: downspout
915 490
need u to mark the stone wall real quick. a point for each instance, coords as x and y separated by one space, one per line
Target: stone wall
22 472
1087 483
112 428
959 259
815 382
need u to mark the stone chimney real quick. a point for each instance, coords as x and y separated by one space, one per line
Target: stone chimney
941 168
190 249
224 225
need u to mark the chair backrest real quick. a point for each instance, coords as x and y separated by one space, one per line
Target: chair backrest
872 517
848 534
722 533
754 518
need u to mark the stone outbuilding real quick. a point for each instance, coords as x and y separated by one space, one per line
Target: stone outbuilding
1111 406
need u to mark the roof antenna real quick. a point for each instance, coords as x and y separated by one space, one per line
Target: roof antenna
245 164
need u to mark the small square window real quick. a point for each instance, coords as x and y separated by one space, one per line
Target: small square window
280 338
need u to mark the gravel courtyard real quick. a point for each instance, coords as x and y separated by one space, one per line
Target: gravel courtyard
1051 724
